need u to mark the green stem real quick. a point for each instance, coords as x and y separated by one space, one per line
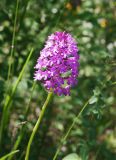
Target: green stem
37 125
13 39
69 130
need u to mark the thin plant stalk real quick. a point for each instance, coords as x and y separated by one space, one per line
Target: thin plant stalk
10 98
28 106
9 154
22 131
61 12
69 130
13 39
113 83
37 125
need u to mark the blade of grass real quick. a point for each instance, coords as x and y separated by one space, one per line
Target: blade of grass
22 131
113 83
61 13
10 98
69 130
9 154
22 16
13 39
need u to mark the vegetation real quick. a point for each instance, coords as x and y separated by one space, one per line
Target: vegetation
24 27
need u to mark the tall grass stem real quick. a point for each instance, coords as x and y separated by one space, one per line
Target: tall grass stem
9 99
9 154
22 131
13 39
69 130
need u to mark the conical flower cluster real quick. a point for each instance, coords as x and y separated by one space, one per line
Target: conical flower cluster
57 66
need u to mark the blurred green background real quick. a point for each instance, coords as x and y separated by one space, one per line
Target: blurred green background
93 24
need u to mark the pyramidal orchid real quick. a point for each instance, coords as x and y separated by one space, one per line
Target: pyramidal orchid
57 66
57 69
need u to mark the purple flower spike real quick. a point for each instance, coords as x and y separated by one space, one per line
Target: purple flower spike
57 66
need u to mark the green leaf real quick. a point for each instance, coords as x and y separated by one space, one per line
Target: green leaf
72 156
93 100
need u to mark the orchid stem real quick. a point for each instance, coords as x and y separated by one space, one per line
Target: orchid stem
37 125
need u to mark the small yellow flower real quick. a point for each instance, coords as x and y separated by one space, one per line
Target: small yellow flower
78 8
103 23
69 6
